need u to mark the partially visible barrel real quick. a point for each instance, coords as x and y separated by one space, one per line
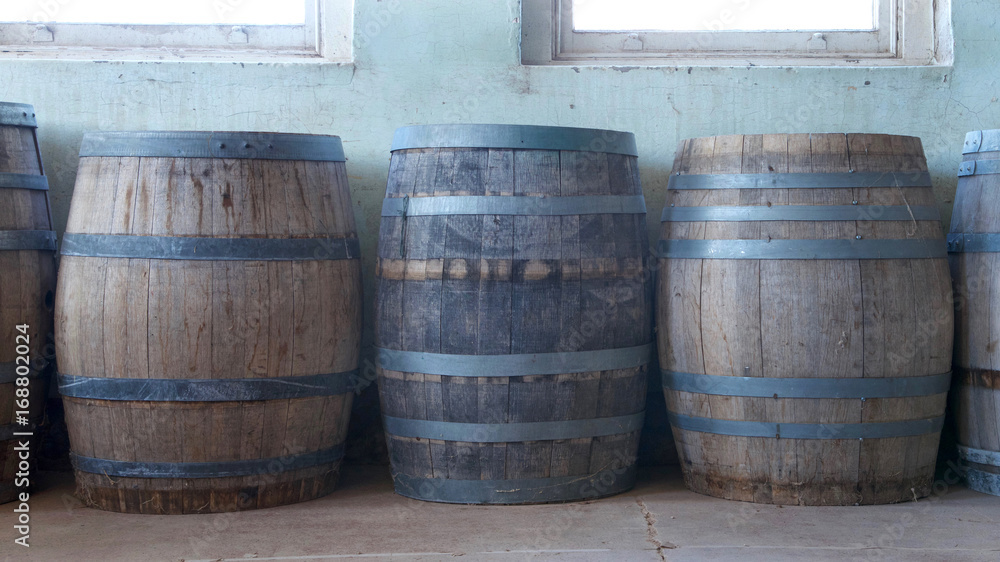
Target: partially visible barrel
804 318
514 313
208 320
27 282
975 245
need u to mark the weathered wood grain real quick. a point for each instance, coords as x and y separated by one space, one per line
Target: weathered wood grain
177 319
498 285
804 318
975 397
27 285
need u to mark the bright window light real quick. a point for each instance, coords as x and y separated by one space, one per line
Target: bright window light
139 12
724 15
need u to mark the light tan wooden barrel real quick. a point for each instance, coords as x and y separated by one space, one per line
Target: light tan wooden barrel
805 320
27 282
208 320
975 245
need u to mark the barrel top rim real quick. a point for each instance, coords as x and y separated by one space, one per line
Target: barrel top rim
201 144
800 133
141 133
15 114
981 140
512 136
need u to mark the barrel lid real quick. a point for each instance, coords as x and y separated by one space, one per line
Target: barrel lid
528 137
213 144
981 141
17 115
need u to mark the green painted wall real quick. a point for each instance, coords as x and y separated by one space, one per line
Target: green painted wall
429 61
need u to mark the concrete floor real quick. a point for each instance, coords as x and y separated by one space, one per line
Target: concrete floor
659 520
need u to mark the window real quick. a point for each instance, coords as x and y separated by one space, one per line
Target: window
229 29
737 32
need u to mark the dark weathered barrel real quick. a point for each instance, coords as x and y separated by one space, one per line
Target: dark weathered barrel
804 318
514 313
975 245
208 320
27 282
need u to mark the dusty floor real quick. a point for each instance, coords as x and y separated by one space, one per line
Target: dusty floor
659 520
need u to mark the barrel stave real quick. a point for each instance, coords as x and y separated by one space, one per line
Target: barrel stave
183 319
19 150
977 383
804 307
27 282
501 284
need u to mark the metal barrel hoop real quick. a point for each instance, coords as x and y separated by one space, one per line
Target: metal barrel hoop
208 144
516 137
207 390
211 249
811 388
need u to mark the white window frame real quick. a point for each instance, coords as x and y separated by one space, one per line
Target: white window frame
325 36
911 33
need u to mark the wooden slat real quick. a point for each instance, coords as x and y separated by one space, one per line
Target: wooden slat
228 319
975 395
822 318
510 284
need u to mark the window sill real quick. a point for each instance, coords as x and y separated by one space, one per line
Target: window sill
246 56
742 61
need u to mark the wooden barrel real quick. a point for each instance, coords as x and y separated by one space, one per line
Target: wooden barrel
514 313
975 245
27 282
208 320
805 319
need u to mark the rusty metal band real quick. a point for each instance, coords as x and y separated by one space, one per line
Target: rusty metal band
961 242
740 428
803 249
17 115
807 387
524 137
800 180
220 469
24 181
516 432
978 168
985 481
14 240
979 456
518 365
213 249
981 141
207 390
205 144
